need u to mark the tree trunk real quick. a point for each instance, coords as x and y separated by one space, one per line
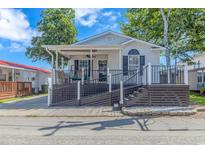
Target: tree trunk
166 28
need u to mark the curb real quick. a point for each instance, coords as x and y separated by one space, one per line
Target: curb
128 112
58 116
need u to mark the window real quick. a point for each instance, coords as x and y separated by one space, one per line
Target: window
133 59
200 76
133 62
83 64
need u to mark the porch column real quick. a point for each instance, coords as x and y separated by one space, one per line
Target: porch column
62 63
120 59
13 75
56 59
91 64
56 69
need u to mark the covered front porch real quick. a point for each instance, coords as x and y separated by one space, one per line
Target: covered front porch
91 62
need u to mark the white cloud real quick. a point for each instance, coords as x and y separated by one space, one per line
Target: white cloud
102 27
87 17
113 18
107 13
14 26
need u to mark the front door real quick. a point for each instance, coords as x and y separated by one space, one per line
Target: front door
102 65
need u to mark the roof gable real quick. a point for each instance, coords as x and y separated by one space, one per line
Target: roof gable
106 38
112 38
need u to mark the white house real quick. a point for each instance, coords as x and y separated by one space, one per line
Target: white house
10 71
104 61
108 50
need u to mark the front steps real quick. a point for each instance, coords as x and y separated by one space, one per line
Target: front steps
159 95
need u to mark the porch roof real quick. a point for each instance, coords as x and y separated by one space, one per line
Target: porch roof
81 47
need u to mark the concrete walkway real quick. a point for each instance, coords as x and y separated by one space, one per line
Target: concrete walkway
38 107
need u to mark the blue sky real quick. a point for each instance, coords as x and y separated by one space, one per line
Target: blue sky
17 26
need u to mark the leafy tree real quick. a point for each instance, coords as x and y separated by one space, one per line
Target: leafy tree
56 27
181 31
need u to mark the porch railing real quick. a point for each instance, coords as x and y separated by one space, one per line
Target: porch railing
173 74
74 85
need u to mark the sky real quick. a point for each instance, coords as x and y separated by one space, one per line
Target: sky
17 26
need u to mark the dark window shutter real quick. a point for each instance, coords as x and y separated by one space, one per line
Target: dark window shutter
142 60
76 66
125 65
89 68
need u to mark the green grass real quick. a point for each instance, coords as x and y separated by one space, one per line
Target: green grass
197 98
18 98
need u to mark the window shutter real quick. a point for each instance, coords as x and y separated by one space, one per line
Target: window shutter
125 65
75 66
89 68
142 60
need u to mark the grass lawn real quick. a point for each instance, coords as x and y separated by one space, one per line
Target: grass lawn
19 98
197 98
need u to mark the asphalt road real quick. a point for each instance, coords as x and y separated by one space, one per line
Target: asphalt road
127 130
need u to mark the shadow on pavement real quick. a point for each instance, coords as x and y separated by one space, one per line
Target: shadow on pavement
142 122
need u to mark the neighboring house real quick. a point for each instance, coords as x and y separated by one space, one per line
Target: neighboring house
10 71
196 72
95 58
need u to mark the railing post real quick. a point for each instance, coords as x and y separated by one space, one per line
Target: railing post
185 74
50 91
121 94
78 92
82 77
110 82
149 73
168 74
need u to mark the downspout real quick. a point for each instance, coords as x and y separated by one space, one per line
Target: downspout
52 65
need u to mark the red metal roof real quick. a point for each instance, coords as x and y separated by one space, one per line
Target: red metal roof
6 63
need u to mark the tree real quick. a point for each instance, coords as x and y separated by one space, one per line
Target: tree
181 31
56 27
166 28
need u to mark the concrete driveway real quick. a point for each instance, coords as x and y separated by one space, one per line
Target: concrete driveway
35 103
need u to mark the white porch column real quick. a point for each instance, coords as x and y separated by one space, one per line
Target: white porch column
13 75
91 64
62 63
186 74
56 68
120 59
56 59
149 73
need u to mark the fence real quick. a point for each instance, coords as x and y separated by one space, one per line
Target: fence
107 83
10 89
173 74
